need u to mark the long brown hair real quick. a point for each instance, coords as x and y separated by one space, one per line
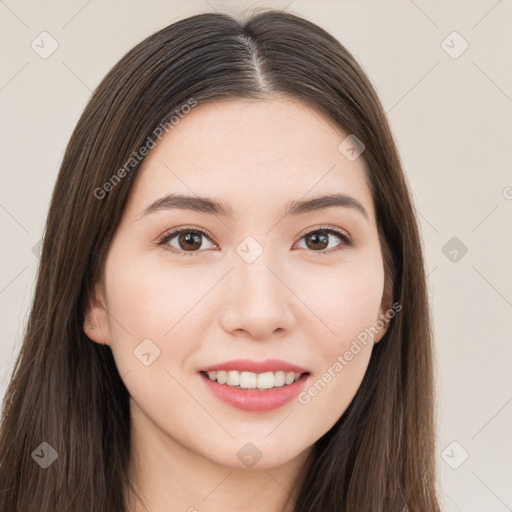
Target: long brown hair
65 390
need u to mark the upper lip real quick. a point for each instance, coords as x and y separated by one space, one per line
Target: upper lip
248 365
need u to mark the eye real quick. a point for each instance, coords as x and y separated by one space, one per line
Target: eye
189 241
320 240
186 241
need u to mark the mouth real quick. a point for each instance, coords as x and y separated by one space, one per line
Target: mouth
253 381
255 392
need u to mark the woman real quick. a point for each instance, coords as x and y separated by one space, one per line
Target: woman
231 310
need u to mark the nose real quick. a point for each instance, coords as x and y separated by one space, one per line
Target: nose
256 300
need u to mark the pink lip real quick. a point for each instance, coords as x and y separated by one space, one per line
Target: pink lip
247 365
253 399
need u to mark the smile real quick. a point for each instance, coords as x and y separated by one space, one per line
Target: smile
254 398
250 380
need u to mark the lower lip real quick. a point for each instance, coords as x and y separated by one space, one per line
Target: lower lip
253 399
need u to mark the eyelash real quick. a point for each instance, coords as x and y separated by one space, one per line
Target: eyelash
346 240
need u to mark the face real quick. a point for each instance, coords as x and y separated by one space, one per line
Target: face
284 292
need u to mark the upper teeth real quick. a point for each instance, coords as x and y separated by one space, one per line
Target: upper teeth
249 380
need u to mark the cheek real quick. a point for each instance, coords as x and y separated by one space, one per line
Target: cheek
330 391
150 296
346 300
348 311
152 335
151 299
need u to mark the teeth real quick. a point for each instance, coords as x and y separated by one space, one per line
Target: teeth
250 380
233 378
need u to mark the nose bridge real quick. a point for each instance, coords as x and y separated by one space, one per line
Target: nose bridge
258 285
258 301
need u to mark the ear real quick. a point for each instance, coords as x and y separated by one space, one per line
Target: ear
382 321
96 319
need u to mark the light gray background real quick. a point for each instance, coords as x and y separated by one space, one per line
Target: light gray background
452 119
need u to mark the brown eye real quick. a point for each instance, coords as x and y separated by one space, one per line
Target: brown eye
186 241
324 239
190 240
317 240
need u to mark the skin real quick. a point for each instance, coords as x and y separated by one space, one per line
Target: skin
291 303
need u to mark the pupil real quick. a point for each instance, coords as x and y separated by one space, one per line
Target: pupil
318 237
190 238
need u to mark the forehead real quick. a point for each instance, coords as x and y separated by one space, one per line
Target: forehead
250 153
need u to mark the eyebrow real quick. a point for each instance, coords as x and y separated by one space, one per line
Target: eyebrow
212 207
